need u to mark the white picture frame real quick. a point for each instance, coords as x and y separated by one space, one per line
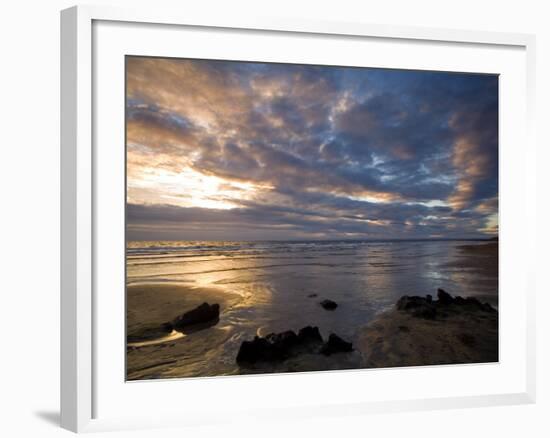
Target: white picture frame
82 171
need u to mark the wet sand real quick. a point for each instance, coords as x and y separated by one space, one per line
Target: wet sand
397 339
288 299
149 307
461 331
482 258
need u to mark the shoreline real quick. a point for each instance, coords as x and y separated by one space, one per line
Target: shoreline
482 258
151 350
460 332
392 337
416 331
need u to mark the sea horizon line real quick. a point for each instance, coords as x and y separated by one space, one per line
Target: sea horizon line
416 239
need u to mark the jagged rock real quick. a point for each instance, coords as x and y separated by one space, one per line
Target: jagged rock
279 346
336 344
283 341
488 308
309 335
259 349
474 303
443 297
428 309
406 302
276 347
459 300
201 315
328 304
417 306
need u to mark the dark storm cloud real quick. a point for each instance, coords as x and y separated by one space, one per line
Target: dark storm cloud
321 151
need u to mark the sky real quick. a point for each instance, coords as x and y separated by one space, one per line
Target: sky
225 150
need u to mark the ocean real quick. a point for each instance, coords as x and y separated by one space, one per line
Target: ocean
279 285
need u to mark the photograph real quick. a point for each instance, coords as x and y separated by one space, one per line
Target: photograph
304 218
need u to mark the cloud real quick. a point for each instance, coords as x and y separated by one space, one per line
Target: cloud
309 151
475 156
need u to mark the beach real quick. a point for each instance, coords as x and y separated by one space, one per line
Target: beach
456 335
152 350
273 287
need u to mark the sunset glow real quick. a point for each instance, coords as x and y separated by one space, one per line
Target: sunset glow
190 188
297 152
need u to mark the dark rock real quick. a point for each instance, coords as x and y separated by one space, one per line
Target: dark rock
404 328
276 347
418 306
444 307
459 301
406 302
426 312
279 346
328 304
283 341
484 307
335 344
312 295
309 335
443 297
474 304
259 349
470 303
167 327
488 308
201 315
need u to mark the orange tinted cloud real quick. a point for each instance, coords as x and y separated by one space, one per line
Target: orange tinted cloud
313 149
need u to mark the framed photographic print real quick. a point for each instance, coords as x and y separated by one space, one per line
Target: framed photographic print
262 207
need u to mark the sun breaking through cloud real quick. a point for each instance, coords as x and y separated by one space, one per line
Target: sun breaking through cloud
221 150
